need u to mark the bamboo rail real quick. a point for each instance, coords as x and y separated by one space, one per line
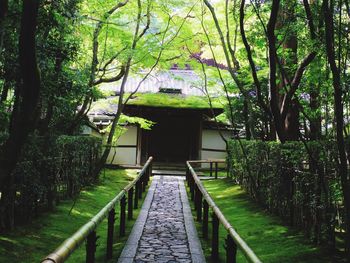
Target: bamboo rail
203 202
87 232
211 162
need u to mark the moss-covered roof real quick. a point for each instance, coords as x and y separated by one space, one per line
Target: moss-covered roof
173 101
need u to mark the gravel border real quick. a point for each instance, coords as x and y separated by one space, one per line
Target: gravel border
192 235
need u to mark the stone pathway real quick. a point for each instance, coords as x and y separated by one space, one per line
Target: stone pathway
165 232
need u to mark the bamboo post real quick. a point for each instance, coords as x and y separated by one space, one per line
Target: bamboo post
192 188
215 237
211 169
122 216
199 205
205 219
216 170
110 232
231 250
195 198
136 198
140 189
150 171
188 177
91 247
130 202
144 181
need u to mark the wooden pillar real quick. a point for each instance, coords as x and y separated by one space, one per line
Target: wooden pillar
140 188
144 181
122 216
195 197
187 176
110 233
91 247
211 169
231 250
150 170
192 187
136 199
199 205
130 203
216 170
215 237
205 219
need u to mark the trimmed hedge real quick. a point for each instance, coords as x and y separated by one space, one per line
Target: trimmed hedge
296 181
52 169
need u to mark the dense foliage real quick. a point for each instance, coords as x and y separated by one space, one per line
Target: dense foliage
283 179
282 68
52 170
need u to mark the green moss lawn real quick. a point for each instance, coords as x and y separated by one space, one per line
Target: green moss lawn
265 234
30 243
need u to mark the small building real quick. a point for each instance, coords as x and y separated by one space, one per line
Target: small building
184 126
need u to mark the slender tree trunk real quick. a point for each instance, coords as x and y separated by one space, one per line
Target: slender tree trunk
24 114
248 133
3 13
273 89
339 115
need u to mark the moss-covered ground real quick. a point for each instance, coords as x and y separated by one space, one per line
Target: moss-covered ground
31 242
269 238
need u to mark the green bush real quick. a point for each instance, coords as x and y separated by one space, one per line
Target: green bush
295 180
52 169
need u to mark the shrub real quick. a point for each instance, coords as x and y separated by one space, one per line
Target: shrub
52 169
295 180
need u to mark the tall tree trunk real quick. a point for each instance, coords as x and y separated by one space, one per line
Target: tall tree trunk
339 114
248 133
315 122
286 17
24 114
273 89
3 13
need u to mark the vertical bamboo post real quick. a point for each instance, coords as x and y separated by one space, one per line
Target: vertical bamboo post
231 250
144 180
192 188
215 237
122 216
136 198
150 171
130 202
187 175
205 219
199 205
140 188
211 169
110 233
195 198
91 247
216 170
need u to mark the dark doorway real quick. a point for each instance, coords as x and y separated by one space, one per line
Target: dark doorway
173 139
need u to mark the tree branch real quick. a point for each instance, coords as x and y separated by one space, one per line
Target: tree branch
251 62
112 79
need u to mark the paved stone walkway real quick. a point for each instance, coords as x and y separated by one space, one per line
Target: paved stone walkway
168 233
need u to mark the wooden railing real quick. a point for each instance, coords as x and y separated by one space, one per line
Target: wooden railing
203 202
211 162
129 196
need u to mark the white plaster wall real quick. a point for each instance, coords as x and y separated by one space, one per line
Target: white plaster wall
125 155
129 137
211 139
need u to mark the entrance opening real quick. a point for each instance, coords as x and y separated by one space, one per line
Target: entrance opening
173 139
